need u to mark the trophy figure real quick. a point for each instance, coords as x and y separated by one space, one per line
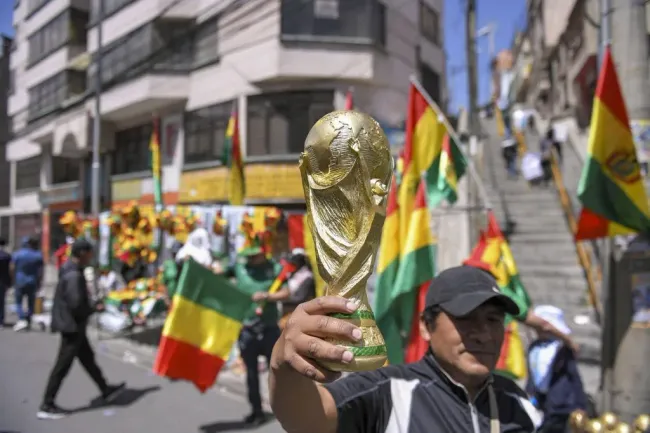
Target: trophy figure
346 169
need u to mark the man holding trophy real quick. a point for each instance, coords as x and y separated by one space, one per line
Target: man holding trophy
346 169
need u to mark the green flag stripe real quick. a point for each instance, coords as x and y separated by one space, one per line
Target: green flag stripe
601 195
202 286
416 268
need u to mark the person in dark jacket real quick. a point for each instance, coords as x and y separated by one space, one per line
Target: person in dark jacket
554 382
28 273
70 313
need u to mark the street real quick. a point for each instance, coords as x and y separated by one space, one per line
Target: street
150 403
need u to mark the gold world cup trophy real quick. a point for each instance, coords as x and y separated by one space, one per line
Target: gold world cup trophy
346 170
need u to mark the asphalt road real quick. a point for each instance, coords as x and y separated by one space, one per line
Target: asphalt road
151 404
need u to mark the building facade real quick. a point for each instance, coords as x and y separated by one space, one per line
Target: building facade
282 63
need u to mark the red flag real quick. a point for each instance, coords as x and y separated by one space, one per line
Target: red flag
349 100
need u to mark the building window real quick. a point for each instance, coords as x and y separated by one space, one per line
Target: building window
65 170
279 122
429 23
334 21
11 82
431 82
206 49
26 226
132 153
34 5
5 181
205 132
110 7
67 28
28 174
46 97
164 46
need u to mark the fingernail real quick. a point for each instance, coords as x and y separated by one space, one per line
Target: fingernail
351 305
356 334
347 356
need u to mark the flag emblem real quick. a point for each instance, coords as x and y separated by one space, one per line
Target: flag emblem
624 166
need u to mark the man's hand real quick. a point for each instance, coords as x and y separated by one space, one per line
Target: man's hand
301 345
260 296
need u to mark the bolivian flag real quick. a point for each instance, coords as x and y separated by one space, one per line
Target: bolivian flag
156 168
416 269
423 155
233 160
300 237
387 267
492 253
202 326
611 188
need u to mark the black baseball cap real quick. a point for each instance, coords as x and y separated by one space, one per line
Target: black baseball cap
460 290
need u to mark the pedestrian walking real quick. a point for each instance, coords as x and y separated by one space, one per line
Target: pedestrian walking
27 265
452 389
554 382
546 147
5 278
70 313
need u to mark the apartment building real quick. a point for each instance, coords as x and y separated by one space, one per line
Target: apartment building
558 52
281 63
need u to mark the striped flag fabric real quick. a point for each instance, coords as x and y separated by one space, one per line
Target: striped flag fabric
492 253
416 269
300 237
349 99
233 159
423 149
203 324
156 168
611 187
387 267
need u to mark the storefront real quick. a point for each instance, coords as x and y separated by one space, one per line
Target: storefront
57 200
139 190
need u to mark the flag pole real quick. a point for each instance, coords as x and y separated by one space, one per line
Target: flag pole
456 138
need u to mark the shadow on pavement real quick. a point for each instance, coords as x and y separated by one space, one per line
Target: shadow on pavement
128 397
238 425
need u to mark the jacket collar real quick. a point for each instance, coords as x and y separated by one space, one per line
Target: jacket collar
446 380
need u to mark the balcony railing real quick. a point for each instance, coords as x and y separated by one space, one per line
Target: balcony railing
334 21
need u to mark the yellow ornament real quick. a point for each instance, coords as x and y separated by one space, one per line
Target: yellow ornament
621 427
642 423
578 420
609 420
595 426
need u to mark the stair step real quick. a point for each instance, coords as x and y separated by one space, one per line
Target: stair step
561 238
567 270
537 284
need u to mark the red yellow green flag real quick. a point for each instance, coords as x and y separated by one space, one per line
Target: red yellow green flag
203 324
416 268
424 156
234 160
611 188
387 267
492 253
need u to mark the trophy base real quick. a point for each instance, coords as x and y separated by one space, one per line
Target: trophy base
361 363
370 353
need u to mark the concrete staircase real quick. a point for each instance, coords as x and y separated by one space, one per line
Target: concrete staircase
543 248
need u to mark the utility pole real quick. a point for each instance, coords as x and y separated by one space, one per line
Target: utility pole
472 72
626 30
97 121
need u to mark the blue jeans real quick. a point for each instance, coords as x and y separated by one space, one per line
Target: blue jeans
21 293
3 293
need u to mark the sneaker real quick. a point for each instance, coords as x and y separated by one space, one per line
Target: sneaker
51 411
255 419
112 392
21 325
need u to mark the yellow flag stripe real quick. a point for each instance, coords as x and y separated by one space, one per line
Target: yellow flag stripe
420 234
201 327
389 250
